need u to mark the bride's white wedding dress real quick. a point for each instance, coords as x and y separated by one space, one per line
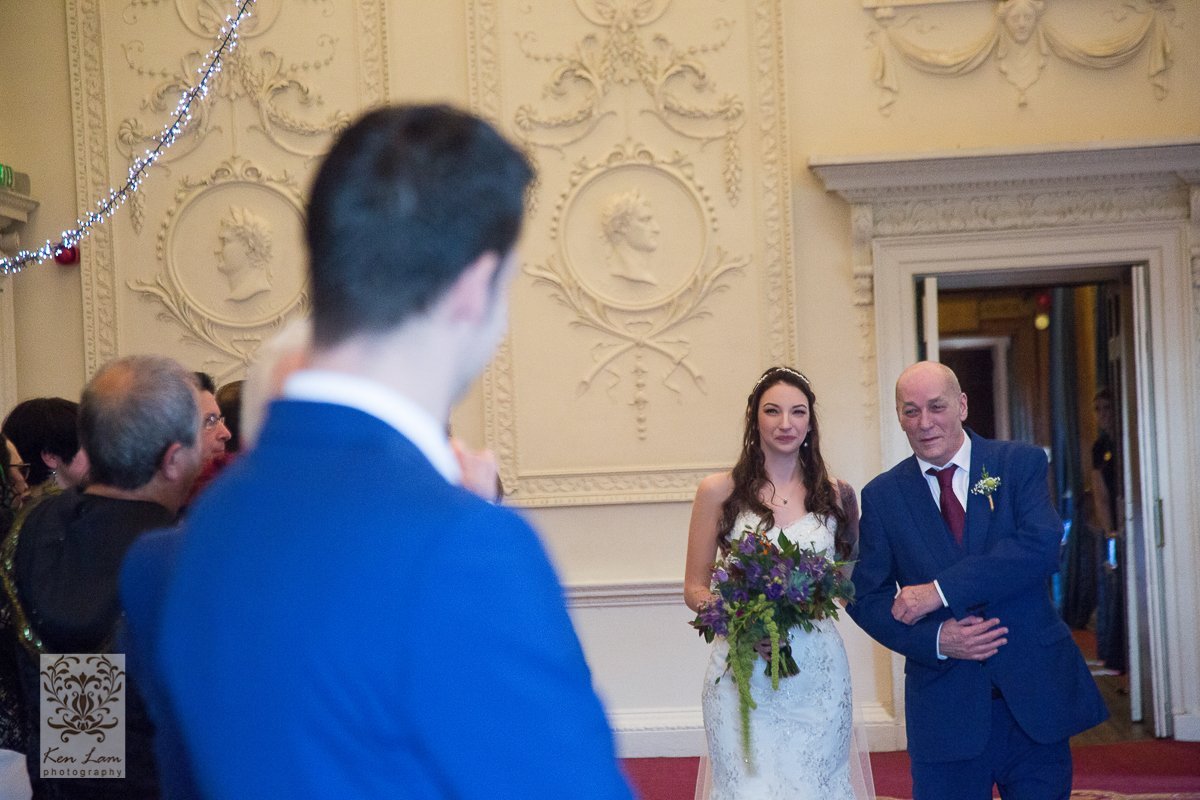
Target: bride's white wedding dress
800 734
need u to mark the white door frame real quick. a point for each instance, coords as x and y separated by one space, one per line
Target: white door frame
1067 207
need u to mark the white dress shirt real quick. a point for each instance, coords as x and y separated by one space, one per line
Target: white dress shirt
383 403
962 477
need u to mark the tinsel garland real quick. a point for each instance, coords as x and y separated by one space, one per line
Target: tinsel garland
108 205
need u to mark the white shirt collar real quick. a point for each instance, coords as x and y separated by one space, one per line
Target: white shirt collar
962 459
387 405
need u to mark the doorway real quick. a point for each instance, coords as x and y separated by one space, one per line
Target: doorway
1051 362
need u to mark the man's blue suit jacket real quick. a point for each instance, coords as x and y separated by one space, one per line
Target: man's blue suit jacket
1002 570
341 622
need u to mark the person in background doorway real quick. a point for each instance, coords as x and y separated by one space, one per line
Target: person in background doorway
1106 500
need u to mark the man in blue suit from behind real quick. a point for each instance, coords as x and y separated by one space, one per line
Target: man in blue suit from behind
994 683
388 634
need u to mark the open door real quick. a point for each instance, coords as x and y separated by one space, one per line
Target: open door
1131 383
1142 541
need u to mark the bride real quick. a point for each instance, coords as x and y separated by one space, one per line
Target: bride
801 741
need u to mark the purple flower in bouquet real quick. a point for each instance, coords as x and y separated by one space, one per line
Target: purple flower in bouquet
799 594
714 615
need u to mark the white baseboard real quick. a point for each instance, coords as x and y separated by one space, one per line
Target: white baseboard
1187 727
659 732
885 733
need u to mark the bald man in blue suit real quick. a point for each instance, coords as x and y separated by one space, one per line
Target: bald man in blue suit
953 574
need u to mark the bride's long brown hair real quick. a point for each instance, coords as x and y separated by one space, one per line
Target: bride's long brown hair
750 473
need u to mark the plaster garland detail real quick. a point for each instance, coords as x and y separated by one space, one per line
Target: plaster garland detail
1021 41
626 52
772 215
262 77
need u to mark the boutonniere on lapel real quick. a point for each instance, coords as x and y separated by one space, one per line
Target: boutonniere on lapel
987 486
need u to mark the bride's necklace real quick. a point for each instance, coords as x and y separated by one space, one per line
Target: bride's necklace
781 500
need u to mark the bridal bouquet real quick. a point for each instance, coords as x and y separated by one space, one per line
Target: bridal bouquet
763 590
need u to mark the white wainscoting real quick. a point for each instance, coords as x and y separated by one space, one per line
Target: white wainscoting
648 666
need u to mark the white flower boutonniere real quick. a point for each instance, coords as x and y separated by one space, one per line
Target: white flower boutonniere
987 486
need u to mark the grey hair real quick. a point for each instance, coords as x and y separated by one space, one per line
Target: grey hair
131 412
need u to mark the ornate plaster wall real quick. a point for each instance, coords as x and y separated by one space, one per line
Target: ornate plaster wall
696 119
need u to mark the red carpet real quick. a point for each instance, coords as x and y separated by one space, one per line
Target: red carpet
1151 769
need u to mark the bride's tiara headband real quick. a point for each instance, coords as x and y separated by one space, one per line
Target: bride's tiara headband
773 371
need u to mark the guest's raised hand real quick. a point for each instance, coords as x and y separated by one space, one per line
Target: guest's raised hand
914 602
480 473
971 638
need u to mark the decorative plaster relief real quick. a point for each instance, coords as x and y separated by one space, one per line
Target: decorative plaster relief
636 277
1020 40
862 225
295 80
92 179
643 298
275 89
1194 249
999 210
228 297
627 51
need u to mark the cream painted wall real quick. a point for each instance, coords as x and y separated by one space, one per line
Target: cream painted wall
624 551
36 138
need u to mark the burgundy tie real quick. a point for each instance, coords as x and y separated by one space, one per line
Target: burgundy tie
952 510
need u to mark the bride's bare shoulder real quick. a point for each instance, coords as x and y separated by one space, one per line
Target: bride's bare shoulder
716 487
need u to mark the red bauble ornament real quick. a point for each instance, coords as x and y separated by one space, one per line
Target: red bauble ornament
66 255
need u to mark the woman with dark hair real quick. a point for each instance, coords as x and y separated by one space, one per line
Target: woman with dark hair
801 742
14 781
45 432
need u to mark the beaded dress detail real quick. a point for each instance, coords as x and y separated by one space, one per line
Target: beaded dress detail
800 734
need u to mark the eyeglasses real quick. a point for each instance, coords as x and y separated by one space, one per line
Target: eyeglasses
212 421
22 470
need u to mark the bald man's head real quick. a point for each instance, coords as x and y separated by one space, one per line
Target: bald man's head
931 407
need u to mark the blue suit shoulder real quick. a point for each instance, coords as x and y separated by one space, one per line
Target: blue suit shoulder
884 479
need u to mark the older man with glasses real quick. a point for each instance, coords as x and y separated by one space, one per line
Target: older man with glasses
213 432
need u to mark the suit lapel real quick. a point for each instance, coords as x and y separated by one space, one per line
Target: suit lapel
979 511
930 527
